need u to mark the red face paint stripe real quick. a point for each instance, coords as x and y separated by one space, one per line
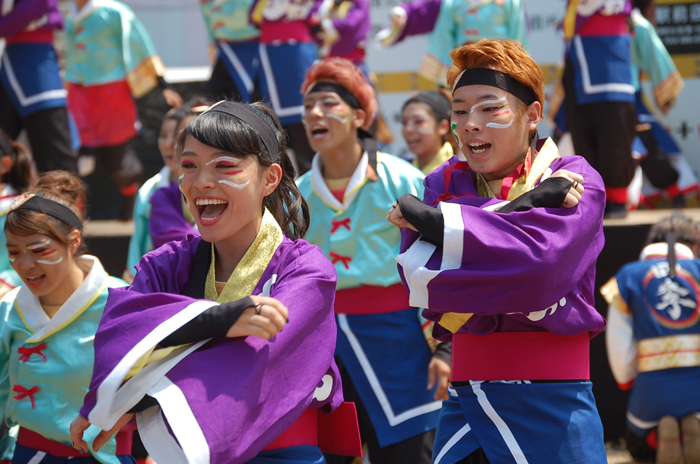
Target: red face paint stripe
47 252
233 173
502 113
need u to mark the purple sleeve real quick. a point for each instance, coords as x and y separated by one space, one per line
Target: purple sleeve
166 222
353 29
421 16
540 253
26 11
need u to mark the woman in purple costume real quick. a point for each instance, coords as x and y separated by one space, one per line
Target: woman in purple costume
195 346
513 292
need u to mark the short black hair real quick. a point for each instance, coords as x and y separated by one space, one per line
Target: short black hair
685 229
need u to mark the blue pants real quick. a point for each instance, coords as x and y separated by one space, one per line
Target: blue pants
556 423
24 454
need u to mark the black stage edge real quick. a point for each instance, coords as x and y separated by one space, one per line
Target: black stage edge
624 239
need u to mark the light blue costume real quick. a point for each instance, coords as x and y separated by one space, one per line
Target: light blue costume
464 21
8 277
649 54
236 39
42 389
384 352
140 242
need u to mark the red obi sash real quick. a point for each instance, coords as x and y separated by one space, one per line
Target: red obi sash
42 36
284 32
520 356
601 25
38 442
369 299
335 433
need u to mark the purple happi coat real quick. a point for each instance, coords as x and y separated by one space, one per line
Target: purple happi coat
167 222
221 400
523 271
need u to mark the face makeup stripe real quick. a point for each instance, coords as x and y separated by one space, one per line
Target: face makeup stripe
233 173
234 185
223 158
43 261
46 253
12 260
335 116
495 125
502 113
487 102
453 126
38 245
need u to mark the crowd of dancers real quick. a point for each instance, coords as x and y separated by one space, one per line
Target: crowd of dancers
261 316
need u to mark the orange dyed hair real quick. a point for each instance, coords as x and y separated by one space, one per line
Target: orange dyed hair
344 73
507 56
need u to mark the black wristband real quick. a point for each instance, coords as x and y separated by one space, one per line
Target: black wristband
444 351
214 322
145 403
428 220
551 193
162 84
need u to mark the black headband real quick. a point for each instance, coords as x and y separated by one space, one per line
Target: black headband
438 103
33 202
325 86
254 120
487 76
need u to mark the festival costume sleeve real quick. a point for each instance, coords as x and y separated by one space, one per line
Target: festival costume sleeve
22 14
620 341
442 40
247 388
166 222
518 24
543 254
142 65
352 29
421 17
650 54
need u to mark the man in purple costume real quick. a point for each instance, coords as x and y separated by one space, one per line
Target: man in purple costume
513 292
195 346
32 96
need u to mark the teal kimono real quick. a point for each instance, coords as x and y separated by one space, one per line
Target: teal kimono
465 21
228 20
140 242
380 340
47 363
8 277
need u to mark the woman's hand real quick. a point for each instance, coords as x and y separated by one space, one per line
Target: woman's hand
172 98
573 197
263 320
80 425
396 218
439 371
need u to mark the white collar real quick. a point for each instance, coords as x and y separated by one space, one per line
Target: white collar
164 180
660 249
86 10
357 180
36 320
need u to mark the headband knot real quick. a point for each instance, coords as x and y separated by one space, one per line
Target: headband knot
488 76
54 209
254 120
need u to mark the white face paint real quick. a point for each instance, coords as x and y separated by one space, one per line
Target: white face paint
488 102
38 245
223 158
495 125
43 261
12 260
234 185
335 116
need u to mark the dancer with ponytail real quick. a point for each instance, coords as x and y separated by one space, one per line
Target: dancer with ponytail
195 347
46 339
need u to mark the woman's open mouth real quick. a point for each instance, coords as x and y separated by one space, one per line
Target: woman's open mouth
210 209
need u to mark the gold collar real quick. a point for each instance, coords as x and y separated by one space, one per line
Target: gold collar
247 274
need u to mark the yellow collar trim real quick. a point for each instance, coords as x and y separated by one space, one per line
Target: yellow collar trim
250 269
545 157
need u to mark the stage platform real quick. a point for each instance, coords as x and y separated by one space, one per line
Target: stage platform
624 239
